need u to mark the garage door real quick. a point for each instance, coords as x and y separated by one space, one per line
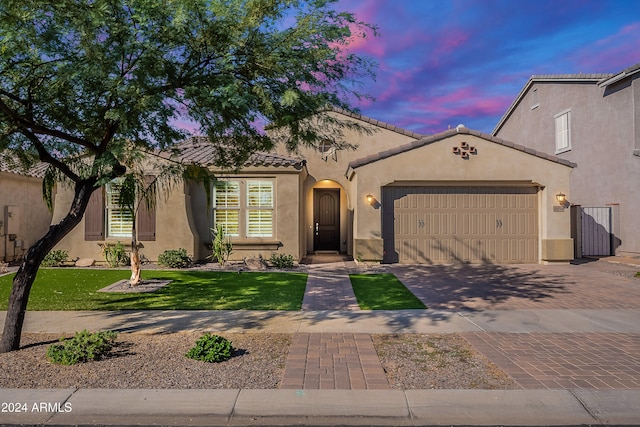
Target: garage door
460 224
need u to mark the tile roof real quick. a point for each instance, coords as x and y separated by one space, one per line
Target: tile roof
627 72
10 165
446 134
570 77
199 150
380 124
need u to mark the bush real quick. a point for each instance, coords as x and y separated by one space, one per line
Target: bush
281 260
115 254
174 258
83 347
221 245
211 348
55 258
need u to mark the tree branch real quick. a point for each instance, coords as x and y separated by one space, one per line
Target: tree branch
34 128
46 157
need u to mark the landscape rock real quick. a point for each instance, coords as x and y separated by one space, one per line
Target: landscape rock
255 264
85 262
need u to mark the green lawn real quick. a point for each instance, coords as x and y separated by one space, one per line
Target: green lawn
383 292
76 289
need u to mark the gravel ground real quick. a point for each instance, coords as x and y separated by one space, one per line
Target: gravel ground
411 361
420 361
150 361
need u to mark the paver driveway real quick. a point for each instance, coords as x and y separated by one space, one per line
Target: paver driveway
536 360
596 285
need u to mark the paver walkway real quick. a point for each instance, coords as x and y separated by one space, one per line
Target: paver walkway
333 361
329 287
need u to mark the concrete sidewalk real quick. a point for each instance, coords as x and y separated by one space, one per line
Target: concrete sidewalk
363 321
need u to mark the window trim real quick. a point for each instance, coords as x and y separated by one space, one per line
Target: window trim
245 207
557 133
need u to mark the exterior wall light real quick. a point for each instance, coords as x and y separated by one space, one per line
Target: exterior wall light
370 199
561 199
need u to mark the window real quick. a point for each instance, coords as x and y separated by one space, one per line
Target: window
226 199
244 208
103 215
119 220
259 208
563 132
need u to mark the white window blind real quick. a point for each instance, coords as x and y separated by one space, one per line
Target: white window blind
119 220
226 199
259 208
563 135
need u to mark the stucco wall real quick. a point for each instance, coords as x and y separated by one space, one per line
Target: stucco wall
24 193
173 228
286 238
330 173
604 133
493 164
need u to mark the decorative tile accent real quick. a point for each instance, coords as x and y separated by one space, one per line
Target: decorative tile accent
464 150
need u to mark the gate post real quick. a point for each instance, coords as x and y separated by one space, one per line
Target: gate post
576 229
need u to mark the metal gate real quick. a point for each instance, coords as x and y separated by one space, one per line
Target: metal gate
596 231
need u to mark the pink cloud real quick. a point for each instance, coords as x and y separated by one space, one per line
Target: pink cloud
612 53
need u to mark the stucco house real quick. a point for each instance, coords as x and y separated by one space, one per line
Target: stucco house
24 216
592 120
456 196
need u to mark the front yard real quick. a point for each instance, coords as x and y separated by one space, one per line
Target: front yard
77 289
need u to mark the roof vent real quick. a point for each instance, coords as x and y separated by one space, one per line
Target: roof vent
460 126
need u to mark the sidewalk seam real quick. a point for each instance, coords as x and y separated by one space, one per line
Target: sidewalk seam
471 321
584 405
53 413
233 408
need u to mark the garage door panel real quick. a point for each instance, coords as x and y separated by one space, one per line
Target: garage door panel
472 224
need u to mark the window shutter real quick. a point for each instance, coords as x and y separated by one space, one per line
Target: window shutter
94 217
147 218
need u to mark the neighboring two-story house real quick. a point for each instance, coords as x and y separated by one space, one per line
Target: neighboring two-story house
592 120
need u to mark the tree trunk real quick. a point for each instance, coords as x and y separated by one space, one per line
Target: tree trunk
135 257
26 274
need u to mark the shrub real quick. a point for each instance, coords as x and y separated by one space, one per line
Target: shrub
55 258
222 245
83 347
115 254
211 348
174 258
281 260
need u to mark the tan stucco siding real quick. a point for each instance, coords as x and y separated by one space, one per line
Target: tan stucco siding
330 173
435 164
32 222
286 216
173 228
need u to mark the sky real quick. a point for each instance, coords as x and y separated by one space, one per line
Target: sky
447 62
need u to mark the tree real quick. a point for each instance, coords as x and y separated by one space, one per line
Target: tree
84 85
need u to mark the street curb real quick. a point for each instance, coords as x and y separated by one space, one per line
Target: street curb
320 407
